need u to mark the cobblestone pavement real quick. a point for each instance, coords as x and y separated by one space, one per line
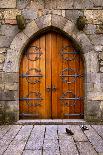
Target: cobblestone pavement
50 140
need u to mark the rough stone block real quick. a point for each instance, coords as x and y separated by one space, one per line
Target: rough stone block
49 4
9 86
98 48
73 14
64 4
11 21
69 27
90 87
96 40
9 95
7 4
83 4
58 21
85 42
43 21
93 109
9 30
5 41
10 77
11 106
90 29
99 29
22 4
98 3
94 16
29 13
2 58
31 28
11 13
3 50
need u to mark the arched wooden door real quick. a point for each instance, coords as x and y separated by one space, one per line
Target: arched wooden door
51 79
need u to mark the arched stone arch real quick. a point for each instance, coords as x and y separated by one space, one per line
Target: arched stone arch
34 28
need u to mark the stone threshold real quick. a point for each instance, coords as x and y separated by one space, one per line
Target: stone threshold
51 122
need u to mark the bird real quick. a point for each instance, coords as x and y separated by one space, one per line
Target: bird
83 127
69 132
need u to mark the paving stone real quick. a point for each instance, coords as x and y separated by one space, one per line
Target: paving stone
51 152
62 132
68 147
17 145
85 148
8 137
32 152
51 132
3 130
52 146
99 129
35 141
49 4
94 139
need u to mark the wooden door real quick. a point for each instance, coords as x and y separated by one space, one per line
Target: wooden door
51 79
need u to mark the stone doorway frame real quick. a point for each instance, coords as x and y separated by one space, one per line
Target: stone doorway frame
34 28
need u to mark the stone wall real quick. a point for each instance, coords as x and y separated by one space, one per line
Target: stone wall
40 14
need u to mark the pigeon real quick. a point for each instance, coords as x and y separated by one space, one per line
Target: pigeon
83 127
69 132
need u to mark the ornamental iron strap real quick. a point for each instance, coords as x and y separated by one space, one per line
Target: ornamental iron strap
34 53
66 50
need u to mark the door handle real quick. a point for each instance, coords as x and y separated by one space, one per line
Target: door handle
48 89
54 88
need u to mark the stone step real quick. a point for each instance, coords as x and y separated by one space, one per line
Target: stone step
52 122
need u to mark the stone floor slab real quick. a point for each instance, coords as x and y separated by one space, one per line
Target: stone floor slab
17 145
99 129
95 139
85 148
32 152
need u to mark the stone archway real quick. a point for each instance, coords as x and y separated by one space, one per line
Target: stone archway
18 44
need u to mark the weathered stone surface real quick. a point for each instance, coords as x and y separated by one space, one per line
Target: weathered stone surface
98 129
10 77
31 29
4 130
94 16
83 4
5 41
9 30
9 136
9 95
95 96
90 87
99 29
72 15
85 42
11 14
19 141
58 21
90 29
29 13
22 4
3 50
98 48
98 3
35 141
49 4
11 21
44 21
7 4
11 106
64 4
32 152
93 109
11 86
95 139
57 12
69 27
85 148
2 58
51 132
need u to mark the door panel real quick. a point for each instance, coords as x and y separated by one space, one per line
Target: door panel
51 79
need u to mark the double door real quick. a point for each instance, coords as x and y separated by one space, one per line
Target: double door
51 79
